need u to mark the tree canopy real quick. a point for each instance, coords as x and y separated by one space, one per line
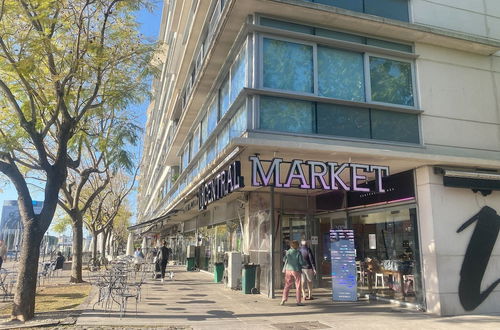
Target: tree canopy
63 63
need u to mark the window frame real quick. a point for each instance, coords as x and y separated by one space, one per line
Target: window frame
366 70
368 81
291 40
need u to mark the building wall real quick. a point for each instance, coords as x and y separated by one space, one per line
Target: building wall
442 211
459 92
478 17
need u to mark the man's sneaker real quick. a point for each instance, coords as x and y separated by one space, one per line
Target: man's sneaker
162 280
282 302
300 304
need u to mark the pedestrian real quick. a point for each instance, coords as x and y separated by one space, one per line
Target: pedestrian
292 269
138 259
163 256
308 270
59 261
3 252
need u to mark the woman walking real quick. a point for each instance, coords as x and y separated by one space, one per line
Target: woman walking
293 270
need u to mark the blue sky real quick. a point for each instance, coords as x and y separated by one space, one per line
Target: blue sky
150 23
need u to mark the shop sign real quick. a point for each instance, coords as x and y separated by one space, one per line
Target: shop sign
343 254
224 183
321 175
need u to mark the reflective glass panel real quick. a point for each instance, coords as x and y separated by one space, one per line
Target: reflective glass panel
391 81
288 66
238 76
395 126
238 123
212 117
224 97
278 114
341 120
222 139
340 74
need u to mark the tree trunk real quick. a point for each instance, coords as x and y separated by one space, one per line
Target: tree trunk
94 244
24 295
103 244
76 265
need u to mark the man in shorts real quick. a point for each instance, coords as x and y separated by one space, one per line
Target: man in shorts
308 270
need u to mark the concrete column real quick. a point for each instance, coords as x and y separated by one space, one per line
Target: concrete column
442 210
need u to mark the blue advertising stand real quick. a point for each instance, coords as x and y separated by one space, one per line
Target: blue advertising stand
343 256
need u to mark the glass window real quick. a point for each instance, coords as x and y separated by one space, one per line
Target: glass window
196 142
286 25
223 139
238 76
204 129
185 157
212 116
202 163
288 66
341 120
389 45
340 36
340 74
238 123
355 5
395 9
224 97
395 126
391 81
211 153
278 114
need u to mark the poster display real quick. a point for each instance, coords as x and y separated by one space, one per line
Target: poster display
343 254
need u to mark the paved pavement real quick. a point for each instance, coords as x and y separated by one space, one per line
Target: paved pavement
193 301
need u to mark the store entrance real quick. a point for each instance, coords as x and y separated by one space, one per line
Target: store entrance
315 230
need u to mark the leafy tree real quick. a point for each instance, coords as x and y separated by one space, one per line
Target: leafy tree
61 63
60 225
120 225
106 207
102 148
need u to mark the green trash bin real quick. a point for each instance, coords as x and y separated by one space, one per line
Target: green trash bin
219 272
248 279
190 264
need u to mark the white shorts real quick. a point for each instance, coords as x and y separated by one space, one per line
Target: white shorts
307 274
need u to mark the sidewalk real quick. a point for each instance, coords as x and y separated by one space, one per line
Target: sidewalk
193 301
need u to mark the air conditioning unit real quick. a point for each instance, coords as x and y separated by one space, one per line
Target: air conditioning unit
234 266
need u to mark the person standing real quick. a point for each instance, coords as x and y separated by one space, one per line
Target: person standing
163 256
3 252
138 259
292 269
308 270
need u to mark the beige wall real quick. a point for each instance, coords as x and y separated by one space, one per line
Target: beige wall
442 210
460 95
478 17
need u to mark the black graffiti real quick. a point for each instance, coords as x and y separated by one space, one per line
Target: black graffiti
477 257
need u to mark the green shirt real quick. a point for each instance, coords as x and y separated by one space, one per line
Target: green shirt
293 260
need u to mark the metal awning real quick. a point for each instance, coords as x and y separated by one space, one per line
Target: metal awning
478 180
152 221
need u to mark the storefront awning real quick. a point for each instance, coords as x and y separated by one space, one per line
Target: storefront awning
152 221
477 180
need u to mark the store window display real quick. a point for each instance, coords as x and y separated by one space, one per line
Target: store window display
387 262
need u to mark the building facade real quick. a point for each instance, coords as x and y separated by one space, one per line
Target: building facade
279 120
11 226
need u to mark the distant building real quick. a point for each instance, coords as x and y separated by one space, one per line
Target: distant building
11 225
